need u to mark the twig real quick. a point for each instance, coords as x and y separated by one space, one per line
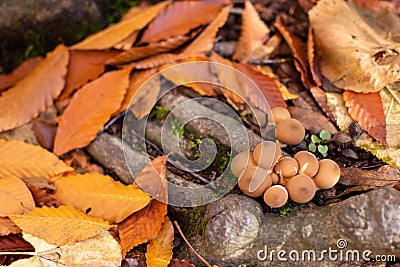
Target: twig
190 246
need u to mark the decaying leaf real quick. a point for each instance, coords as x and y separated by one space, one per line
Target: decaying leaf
390 96
62 225
35 92
45 131
15 197
368 111
90 108
310 119
178 18
355 176
142 225
116 33
159 251
81 162
100 196
42 198
7 80
339 111
180 263
253 34
14 243
351 54
8 227
26 160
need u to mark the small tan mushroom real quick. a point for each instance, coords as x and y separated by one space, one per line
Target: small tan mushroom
290 132
276 196
280 114
266 154
328 174
275 178
301 188
308 163
286 167
241 161
253 181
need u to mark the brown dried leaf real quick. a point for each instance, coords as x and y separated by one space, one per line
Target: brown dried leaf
351 54
90 108
26 67
83 67
142 225
34 93
116 33
355 176
310 119
205 41
155 61
39 182
45 131
100 196
15 197
390 96
7 227
14 243
80 161
253 34
312 59
42 198
180 263
320 97
367 109
159 251
127 43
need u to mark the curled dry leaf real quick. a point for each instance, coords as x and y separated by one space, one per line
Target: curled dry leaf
26 160
116 33
351 54
35 92
7 227
45 131
312 60
26 67
90 108
142 225
14 243
62 225
320 97
15 197
42 198
159 251
253 34
100 196
178 18
127 43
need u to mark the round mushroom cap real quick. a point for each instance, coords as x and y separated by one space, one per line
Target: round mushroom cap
301 188
290 132
253 181
275 178
328 174
280 114
266 154
286 167
308 163
241 161
276 196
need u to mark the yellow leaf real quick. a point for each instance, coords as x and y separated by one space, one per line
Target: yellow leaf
100 196
34 93
116 33
62 225
27 161
8 227
159 251
390 96
15 197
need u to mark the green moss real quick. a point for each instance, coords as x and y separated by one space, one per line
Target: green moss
159 112
118 8
195 224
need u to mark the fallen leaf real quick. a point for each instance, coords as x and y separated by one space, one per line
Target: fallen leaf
367 109
339 110
114 34
351 54
355 176
180 263
178 18
31 262
205 41
39 182
312 60
81 162
90 108
310 119
45 132
15 197
26 67
253 34
26 160
127 43
100 196
7 227
159 251
390 96
142 225
320 97
42 198
62 225
13 243
35 92
83 67
155 61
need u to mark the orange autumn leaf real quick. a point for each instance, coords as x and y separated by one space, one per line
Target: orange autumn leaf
7 80
178 18
141 226
116 33
253 34
127 43
100 196
90 108
15 197
45 132
34 93
367 109
155 61
205 41
83 67
8 227
26 161
181 263
159 251
62 225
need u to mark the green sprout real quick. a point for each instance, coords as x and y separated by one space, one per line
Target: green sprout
159 112
285 210
318 143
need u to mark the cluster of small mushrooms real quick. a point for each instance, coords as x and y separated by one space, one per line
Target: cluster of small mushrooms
265 172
